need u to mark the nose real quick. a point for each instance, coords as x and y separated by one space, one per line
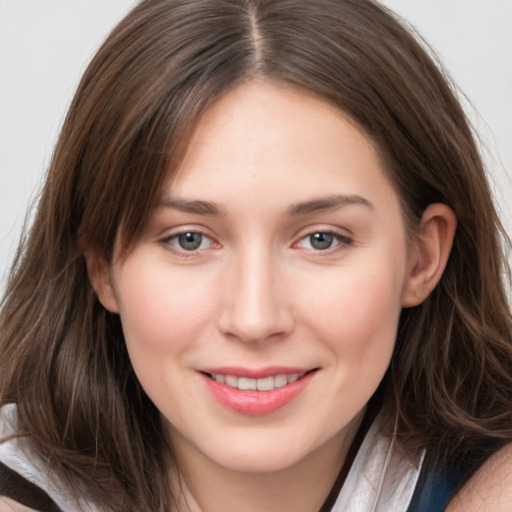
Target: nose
257 306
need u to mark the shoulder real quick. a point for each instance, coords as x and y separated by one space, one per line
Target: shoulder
8 505
25 485
490 488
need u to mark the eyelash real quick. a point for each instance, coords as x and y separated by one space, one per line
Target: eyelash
171 242
342 241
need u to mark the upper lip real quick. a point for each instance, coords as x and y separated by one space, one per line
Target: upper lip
260 373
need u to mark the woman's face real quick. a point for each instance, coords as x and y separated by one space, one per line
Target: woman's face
276 260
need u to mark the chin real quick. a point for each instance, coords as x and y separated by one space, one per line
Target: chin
258 461
263 452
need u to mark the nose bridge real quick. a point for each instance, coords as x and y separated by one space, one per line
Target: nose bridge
256 309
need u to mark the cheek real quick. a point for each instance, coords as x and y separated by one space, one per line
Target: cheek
357 308
160 309
374 306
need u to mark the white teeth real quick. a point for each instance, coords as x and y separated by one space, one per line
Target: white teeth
265 384
231 381
245 383
280 381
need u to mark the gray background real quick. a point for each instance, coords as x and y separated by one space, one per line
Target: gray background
46 44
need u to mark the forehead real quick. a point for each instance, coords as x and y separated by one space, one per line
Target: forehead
280 143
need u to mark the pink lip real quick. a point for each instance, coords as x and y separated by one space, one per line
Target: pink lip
256 403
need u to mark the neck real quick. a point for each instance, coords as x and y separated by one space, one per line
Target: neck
302 487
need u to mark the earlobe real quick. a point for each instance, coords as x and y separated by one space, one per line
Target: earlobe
429 255
99 276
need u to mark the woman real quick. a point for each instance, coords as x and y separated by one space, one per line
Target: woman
265 274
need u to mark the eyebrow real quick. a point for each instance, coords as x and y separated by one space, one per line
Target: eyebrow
329 203
200 207
191 206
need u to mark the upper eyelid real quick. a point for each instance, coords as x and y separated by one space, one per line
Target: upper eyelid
342 243
172 246
335 234
323 228
170 232
300 234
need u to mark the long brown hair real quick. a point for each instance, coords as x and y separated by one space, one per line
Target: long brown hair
64 360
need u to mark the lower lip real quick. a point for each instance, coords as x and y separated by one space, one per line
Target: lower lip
256 403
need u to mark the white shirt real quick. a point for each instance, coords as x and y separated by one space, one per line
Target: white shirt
381 478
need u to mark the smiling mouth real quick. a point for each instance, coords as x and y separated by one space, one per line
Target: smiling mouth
264 384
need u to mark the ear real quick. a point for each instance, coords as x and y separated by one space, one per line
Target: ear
429 254
98 270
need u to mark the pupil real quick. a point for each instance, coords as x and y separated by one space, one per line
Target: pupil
321 241
190 241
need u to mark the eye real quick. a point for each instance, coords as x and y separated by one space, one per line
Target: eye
323 241
189 241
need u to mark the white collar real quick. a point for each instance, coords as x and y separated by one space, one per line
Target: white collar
16 454
381 478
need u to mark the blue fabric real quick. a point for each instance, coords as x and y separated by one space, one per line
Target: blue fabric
435 488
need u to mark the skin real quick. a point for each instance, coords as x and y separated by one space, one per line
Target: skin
8 505
490 488
258 292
